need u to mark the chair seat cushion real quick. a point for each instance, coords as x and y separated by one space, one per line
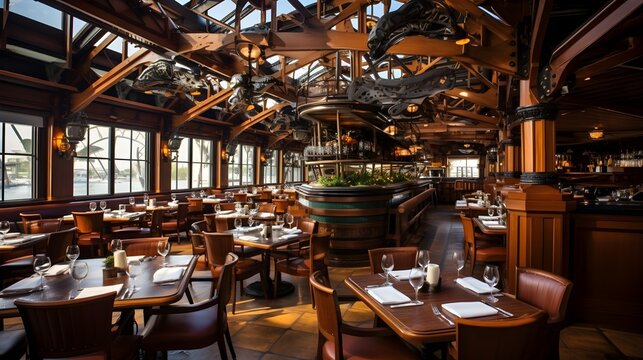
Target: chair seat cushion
13 344
358 348
123 348
492 254
91 239
192 330
297 266
169 226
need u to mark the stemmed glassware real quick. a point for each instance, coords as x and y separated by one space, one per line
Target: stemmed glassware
132 201
491 277
490 210
387 266
290 220
416 279
79 271
116 244
238 207
133 270
237 225
422 258
146 199
202 193
73 253
251 220
173 196
217 208
163 248
41 264
92 206
279 220
459 261
5 226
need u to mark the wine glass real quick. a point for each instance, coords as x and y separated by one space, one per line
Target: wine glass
121 209
290 220
237 224
173 196
116 244
416 279
132 201
163 248
491 277
5 226
238 207
217 208
422 258
459 260
202 193
146 199
73 253
79 271
41 264
387 265
251 220
279 220
103 205
133 270
490 210
92 206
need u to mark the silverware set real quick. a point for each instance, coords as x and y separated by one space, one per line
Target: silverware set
437 313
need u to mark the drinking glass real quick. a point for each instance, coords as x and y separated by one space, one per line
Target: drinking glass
251 220
133 270
459 260
237 224
491 277
121 208
132 201
163 248
490 210
202 193
193 194
290 220
41 264
422 258
238 207
387 265
279 220
92 206
103 205
73 253
146 199
116 244
217 208
79 271
173 196
5 226
416 279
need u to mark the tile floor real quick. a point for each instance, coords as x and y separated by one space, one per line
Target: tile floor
286 328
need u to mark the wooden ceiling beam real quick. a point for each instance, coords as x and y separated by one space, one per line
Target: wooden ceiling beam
467 7
239 129
634 51
201 107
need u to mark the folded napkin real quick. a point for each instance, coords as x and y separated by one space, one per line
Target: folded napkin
291 231
248 238
57 269
387 295
99 290
496 226
475 285
469 309
288 236
277 227
461 203
604 198
264 215
250 228
15 241
490 222
490 218
11 235
23 286
401 274
167 274
179 260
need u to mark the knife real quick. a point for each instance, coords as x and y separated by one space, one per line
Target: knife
407 304
503 312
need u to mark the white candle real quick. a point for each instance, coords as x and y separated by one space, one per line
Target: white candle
120 259
433 274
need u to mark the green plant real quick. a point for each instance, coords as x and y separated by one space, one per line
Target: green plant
109 262
376 177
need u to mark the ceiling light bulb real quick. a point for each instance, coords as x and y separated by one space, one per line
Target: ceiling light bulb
463 94
463 41
412 108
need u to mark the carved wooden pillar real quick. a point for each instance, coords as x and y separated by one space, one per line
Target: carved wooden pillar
538 221
511 165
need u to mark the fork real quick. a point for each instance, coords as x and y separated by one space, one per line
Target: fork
437 313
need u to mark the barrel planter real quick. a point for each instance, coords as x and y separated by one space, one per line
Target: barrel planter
358 217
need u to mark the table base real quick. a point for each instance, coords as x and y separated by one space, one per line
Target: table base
255 289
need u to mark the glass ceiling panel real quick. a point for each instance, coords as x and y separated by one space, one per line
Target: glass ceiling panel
37 11
77 25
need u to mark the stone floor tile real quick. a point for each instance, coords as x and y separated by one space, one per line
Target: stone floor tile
256 337
587 339
629 344
307 323
279 318
296 344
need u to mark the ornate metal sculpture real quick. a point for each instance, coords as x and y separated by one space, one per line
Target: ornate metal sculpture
286 121
399 93
163 77
245 88
430 18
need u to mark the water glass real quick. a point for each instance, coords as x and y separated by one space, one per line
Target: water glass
290 220
422 258
73 253
103 205
116 244
5 226
133 270
173 196
41 264
146 199
251 220
79 271
459 260
163 248
387 266
121 208
92 206
238 207
490 210
237 224
217 208
416 279
132 201
491 277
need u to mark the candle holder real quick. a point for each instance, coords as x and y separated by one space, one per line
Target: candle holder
427 288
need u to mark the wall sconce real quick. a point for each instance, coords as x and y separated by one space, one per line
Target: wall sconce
412 108
391 130
61 144
225 156
170 149
74 132
596 134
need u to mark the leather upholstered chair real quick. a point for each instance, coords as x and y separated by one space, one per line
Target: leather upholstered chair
91 231
210 221
64 329
42 226
281 205
195 326
403 257
132 232
506 339
25 218
480 248
174 227
13 344
217 246
241 197
305 265
196 238
227 206
267 208
337 340
550 293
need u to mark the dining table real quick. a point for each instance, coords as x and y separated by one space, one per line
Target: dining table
490 228
419 325
17 241
112 216
252 237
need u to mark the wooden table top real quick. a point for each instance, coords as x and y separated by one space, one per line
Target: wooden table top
417 324
149 294
21 242
488 230
266 244
112 217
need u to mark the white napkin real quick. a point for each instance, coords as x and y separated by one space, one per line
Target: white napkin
401 274
167 274
288 236
277 227
250 228
496 226
387 295
99 290
291 231
264 215
57 269
489 218
469 309
490 222
15 241
24 285
11 235
475 285
461 203
226 212
248 238
178 260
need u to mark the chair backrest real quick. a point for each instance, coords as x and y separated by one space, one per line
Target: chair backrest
135 207
42 226
157 221
267 208
210 221
281 205
403 257
319 245
224 286
240 197
198 227
57 244
142 246
227 206
195 205
467 226
327 307
182 215
500 339
68 328
296 211
308 226
88 222
266 195
217 247
25 218
544 290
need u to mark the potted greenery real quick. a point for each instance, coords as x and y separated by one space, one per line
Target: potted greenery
109 270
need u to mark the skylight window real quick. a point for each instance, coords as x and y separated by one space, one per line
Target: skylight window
37 11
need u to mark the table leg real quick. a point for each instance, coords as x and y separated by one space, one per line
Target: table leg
256 290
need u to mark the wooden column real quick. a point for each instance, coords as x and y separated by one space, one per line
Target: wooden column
511 165
538 221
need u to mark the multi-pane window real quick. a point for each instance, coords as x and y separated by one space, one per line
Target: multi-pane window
292 167
192 167
37 11
241 166
17 161
130 161
463 166
92 162
271 169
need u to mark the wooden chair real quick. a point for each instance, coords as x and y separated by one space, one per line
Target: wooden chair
227 206
281 205
142 246
217 246
550 293
91 231
480 249
241 197
508 339
64 329
13 344
195 326
175 227
195 210
337 340
25 218
403 258
297 211
266 195
300 248
133 232
196 238
267 208
42 226
305 266
210 221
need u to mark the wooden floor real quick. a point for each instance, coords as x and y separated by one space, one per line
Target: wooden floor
286 328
